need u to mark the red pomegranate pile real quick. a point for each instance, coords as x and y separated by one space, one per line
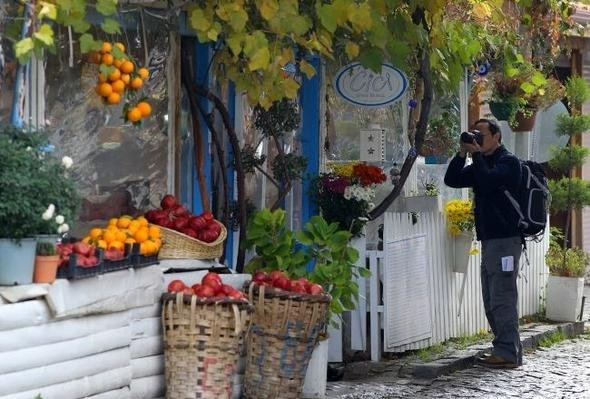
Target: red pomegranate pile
175 216
209 287
277 279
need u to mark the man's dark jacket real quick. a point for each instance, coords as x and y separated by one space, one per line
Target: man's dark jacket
494 215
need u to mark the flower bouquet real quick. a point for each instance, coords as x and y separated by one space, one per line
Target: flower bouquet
345 194
460 224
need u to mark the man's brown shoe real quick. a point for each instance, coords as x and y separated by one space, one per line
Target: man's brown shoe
496 362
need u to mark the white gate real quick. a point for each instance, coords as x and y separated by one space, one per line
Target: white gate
447 318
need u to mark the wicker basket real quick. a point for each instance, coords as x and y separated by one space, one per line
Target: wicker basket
202 342
176 245
283 334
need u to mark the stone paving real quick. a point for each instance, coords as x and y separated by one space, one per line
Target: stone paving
561 371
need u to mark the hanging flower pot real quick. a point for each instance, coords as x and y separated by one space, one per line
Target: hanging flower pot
524 121
503 111
462 251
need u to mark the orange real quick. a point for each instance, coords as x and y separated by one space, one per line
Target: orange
107 59
126 78
134 226
127 67
123 222
147 248
109 236
118 86
145 108
158 243
102 77
116 245
142 221
114 98
136 83
113 221
129 241
143 73
102 244
141 235
120 46
95 233
154 232
115 75
106 47
133 114
120 235
117 63
104 89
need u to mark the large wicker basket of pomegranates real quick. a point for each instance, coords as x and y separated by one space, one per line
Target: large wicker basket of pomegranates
185 235
289 315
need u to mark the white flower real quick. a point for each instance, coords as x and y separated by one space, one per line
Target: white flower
64 228
48 214
29 149
59 219
67 162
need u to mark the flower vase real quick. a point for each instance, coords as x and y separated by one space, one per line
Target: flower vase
17 261
461 251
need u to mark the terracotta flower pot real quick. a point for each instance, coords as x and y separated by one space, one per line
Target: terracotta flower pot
45 269
524 123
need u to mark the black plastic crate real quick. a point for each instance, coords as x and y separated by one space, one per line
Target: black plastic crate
140 261
73 272
116 265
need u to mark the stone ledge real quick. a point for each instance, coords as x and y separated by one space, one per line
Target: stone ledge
460 360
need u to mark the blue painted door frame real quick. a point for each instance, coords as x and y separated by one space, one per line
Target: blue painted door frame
309 136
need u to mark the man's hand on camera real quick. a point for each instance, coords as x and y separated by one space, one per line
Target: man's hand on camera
470 147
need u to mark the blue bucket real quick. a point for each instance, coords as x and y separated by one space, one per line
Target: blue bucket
17 261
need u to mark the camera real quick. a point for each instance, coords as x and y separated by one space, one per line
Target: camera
471 137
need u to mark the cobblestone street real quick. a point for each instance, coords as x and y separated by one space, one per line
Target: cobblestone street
561 371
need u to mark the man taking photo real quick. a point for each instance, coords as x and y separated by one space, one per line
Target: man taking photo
496 223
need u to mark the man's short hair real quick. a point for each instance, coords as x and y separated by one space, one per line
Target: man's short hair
492 125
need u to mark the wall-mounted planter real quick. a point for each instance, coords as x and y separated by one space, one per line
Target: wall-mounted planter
461 252
422 203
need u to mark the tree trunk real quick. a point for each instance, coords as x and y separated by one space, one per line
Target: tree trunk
424 74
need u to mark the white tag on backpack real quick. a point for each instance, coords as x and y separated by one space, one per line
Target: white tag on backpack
508 263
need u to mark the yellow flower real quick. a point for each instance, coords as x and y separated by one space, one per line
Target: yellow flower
473 251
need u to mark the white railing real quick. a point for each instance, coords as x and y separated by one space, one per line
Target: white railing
447 318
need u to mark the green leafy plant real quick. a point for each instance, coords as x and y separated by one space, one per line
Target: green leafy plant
570 192
319 243
565 262
46 249
37 195
523 88
442 135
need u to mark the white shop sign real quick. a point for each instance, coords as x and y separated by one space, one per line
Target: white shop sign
366 88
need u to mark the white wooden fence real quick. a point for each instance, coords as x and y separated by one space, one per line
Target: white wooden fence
447 318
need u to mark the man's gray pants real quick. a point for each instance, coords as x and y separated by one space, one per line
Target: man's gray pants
500 294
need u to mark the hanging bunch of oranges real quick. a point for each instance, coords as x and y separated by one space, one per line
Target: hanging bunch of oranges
118 75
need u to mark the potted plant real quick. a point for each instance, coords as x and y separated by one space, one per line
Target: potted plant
46 262
568 193
460 224
427 200
519 91
565 285
442 137
36 196
321 245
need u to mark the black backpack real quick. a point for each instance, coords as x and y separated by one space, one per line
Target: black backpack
532 201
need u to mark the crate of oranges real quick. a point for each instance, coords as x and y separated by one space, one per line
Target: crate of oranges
129 239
